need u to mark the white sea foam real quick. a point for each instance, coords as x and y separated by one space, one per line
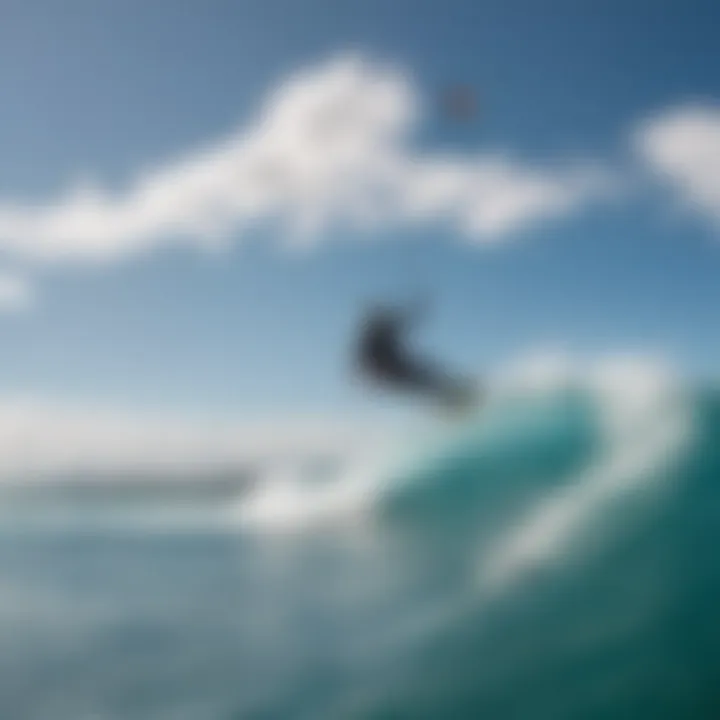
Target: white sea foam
290 502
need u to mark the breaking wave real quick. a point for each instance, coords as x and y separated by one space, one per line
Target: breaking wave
534 474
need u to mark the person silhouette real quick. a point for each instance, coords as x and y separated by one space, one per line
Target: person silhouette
385 359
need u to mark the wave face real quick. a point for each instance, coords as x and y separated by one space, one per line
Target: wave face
554 557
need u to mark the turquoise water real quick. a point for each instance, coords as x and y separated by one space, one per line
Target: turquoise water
546 563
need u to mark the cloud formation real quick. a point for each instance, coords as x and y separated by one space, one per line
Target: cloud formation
49 440
682 146
332 146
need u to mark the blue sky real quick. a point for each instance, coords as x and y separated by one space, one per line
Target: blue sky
105 92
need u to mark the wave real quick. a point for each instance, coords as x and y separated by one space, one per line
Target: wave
532 476
645 424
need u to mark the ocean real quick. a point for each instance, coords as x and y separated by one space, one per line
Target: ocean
554 558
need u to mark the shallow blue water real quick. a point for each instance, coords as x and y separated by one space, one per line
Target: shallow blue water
391 617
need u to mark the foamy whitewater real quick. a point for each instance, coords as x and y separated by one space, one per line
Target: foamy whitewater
553 557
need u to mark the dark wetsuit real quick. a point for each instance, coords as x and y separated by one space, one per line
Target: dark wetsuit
384 358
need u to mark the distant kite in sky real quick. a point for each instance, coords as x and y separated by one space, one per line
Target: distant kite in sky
459 102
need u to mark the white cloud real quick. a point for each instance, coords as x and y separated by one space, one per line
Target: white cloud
50 439
682 145
16 293
332 145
